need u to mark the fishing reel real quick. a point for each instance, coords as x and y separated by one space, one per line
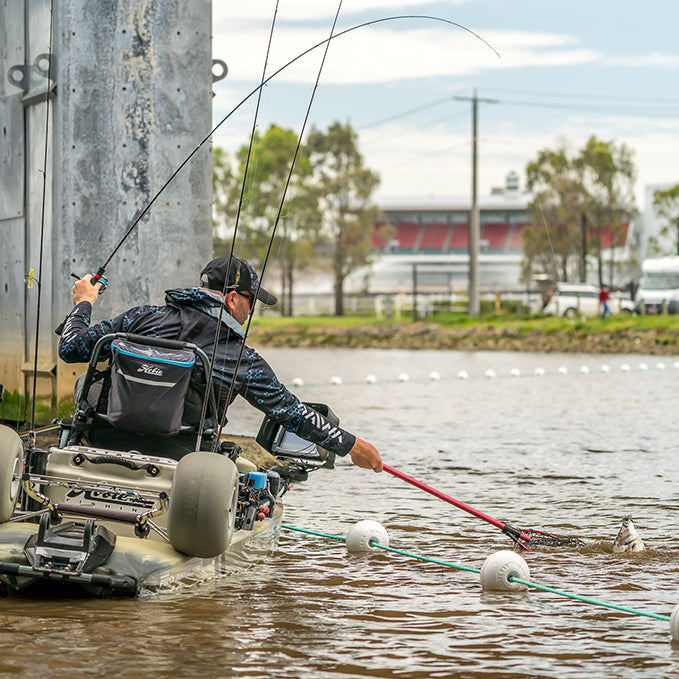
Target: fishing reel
257 495
97 277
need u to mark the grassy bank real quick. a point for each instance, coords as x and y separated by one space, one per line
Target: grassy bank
623 334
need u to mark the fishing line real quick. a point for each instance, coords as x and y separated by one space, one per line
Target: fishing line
42 218
98 276
253 304
259 87
209 378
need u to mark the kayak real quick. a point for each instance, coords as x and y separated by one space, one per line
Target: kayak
104 523
119 505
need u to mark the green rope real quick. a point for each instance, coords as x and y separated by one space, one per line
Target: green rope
587 600
313 532
528 583
424 558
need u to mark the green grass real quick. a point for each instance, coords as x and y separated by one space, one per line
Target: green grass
499 322
15 409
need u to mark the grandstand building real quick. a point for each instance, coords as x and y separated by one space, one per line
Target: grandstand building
429 239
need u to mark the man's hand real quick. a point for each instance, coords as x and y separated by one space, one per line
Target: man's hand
84 291
365 455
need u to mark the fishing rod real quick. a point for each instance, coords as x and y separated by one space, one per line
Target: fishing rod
98 277
280 210
42 223
209 378
522 537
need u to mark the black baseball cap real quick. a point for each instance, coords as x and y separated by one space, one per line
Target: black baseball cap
233 273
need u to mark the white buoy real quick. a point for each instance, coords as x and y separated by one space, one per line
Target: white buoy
643 367
563 370
516 372
362 533
584 370
624 367
675 364
498 568
660 366
605 368
463 374
539 372
674 623
434 376
490 373
403 377
371 379
335 380
298 382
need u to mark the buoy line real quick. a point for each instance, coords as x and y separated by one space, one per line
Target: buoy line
501 571
489 374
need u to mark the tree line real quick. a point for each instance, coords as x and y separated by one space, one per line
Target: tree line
582 205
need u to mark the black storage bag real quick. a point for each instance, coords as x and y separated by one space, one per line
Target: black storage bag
148 387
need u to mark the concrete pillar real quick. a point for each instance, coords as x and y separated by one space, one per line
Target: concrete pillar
131 86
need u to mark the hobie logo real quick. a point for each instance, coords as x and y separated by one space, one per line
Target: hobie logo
149 369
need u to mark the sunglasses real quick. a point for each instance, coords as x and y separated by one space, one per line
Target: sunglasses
247 296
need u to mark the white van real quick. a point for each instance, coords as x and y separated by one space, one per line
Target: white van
658 290
581 299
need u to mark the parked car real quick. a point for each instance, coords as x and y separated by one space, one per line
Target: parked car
581 299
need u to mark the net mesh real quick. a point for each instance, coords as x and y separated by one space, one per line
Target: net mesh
539 538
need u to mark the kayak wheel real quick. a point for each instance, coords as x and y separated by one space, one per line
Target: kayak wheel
203 503
362 534
11 470
499 567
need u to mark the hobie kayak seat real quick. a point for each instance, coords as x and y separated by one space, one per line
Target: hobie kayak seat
147 397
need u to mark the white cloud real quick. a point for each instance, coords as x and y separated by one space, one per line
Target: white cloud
669 61
432 158
381 53
227 12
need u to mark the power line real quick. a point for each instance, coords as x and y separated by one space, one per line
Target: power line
573 95
647 110
402 114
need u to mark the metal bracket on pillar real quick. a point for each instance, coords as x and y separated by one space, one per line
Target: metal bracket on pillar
19 75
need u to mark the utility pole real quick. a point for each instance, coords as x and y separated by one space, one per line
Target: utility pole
583 259
415 314
474 221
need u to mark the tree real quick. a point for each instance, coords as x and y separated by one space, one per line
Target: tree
554 235
252 219
666 206
344 188
608 175
595 187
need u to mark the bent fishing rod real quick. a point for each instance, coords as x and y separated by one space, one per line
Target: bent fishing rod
99 278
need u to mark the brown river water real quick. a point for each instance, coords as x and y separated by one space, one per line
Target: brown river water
572 451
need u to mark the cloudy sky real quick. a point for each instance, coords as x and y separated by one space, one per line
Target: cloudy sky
557 72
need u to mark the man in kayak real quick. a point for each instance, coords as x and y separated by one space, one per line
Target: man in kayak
229 287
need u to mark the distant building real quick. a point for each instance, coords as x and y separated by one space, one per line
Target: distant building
432 235
431 242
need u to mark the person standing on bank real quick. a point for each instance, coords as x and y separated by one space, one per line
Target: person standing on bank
603 301
231 283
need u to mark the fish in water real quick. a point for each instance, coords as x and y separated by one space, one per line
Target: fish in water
627 539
